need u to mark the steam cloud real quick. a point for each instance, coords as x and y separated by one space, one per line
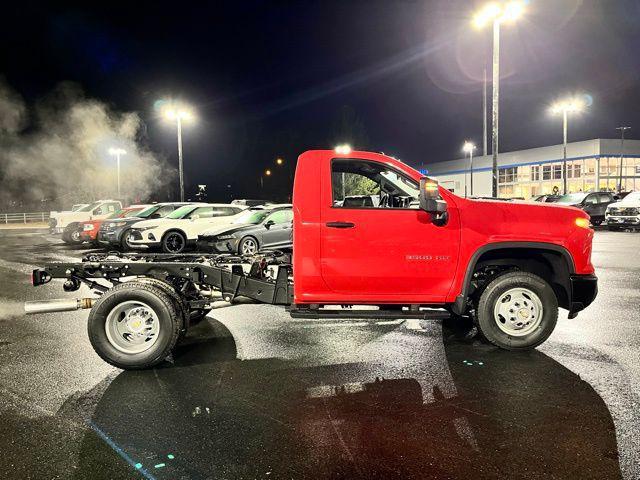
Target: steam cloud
10 309
58 150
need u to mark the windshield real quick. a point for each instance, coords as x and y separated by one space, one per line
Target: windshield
633 197
572 198
147 211
89 207
251 217
182 212
133 213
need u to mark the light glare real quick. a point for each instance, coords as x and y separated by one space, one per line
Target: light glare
343 149
117 151
468 147
500 12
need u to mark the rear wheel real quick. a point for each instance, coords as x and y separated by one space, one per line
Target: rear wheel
71 234
517 311
248 246
174 242
135 325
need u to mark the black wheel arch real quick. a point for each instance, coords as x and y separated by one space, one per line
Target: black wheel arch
550 261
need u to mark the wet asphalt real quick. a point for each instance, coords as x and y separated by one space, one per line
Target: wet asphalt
254 394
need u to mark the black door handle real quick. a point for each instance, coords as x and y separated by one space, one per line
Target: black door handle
340 224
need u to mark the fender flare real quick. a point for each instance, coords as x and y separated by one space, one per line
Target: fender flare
458 306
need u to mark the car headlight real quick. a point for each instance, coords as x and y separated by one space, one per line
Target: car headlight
224 237
116 224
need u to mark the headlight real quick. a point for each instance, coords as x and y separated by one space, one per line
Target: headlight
88 226
144 229
116 224
225 237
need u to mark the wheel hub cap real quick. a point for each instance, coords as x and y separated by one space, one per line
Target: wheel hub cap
518 312
132 327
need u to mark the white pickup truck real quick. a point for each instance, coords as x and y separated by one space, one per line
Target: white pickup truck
58 221
625 213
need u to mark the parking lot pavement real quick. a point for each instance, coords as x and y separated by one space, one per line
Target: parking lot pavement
255 394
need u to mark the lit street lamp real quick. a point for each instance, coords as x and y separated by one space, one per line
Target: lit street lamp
565 107
469 147
117 152
178 113
267 173
497 13
622 130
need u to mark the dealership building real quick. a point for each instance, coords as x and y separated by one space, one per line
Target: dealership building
591 165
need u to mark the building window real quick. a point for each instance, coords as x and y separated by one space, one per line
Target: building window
535 173
557 172
546 172
507 175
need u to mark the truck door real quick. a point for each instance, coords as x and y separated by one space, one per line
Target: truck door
376 243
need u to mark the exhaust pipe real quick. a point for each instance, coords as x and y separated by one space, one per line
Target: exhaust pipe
59 305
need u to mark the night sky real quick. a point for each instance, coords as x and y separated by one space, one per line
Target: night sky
271 79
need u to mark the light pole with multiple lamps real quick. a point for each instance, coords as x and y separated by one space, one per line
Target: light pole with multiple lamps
178 113
622 130
117 152
497 14
267 173
565 107
469 147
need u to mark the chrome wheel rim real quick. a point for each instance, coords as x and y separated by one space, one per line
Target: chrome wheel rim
518 312
127 240
249 246
75 236
174 242
132 327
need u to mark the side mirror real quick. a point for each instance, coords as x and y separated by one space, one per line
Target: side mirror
431 202
269 224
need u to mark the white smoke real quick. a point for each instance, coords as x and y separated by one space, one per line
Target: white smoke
59 150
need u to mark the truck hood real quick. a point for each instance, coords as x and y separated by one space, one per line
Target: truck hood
68 217
519 220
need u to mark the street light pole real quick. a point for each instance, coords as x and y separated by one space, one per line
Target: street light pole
496 13
494 107
564 151
622 130
469 147
117 152
180 162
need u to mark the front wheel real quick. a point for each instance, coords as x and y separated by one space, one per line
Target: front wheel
71 234
248 246
174 242
517 311
134 325
125 244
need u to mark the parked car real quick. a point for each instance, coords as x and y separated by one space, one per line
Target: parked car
250 202
179 230
547 198
252 231
115 233
59 221
625 213
88 231
594 203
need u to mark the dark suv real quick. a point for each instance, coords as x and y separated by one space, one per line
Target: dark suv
115 233
594 203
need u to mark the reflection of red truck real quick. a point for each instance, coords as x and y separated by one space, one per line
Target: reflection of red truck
507 265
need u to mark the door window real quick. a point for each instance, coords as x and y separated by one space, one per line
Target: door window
591 200
281 216
604 197
363 184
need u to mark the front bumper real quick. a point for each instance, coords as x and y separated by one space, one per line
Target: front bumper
584 289
216 246
623 220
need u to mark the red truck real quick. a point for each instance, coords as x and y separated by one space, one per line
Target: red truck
415 251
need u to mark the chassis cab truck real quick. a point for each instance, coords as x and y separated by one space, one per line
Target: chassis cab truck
415 250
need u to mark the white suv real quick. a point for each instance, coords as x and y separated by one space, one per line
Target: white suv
58 221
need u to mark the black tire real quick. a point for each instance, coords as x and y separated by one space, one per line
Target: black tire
597 220
174 242
243 243
124 241
488 324
168 312
71 234
611 228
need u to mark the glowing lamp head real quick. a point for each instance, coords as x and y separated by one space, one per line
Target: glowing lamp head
117 151
504 12
176 111
267 172
343 149
468 147
279 161
569 105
